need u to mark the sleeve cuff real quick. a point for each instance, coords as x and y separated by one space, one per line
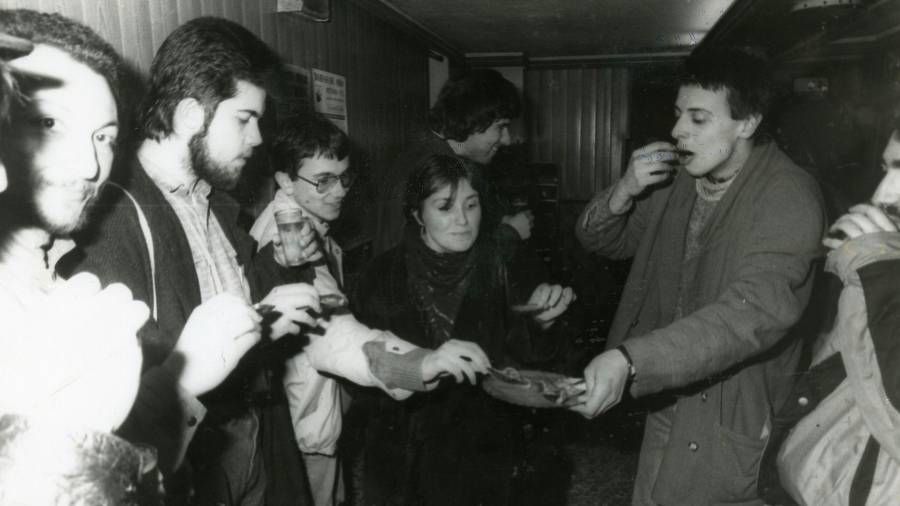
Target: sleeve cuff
857 253
164 416
644 362
396 370
597 212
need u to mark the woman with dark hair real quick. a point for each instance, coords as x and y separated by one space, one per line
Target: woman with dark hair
470 119
454 445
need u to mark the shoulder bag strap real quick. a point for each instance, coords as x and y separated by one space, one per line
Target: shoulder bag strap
145 229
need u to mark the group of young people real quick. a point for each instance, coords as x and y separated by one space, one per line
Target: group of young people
140 307
155 351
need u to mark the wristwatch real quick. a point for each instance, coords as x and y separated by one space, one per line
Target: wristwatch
632 372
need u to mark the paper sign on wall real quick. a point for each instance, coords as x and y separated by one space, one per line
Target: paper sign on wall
297 97
330 97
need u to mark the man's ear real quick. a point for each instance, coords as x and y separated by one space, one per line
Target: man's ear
749 126
3 181
188 118
283 181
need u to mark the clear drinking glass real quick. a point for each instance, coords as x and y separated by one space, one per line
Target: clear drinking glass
291 223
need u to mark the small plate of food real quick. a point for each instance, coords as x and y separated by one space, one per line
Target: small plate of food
535 389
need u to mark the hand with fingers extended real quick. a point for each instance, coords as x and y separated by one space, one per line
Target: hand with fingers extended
522 222
649 165
555 299
293 303
75 357
605 379
217 334
860 220
460 359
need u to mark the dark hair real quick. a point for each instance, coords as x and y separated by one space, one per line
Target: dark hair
308 137
202 59
741 72
433 173
471 102
79 41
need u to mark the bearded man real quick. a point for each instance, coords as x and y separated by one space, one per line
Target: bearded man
170 234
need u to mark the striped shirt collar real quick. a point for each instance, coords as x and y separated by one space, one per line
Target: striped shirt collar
182 181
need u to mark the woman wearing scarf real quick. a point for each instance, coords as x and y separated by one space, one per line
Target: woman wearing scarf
454 445
469 119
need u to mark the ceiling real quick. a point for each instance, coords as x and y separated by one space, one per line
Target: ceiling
828 32
537 30
566 28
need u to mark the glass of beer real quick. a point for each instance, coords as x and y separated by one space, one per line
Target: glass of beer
291 223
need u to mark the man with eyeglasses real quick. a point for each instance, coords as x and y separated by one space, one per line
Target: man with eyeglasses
311 157
328 181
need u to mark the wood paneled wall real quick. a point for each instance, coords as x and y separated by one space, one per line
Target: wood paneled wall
577 118
386 67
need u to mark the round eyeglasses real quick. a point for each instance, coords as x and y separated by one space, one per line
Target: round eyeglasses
327 181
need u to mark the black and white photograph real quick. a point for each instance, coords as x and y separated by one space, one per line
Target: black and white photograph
449 252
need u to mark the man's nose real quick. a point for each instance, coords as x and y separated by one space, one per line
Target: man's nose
678 131
85 159
339 190
3 181
505 138
254 137
888 191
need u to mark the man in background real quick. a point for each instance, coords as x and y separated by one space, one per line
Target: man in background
471 119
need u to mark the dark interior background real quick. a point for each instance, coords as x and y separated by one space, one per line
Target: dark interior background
596 79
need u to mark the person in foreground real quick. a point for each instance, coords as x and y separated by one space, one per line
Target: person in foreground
70 367
723 244
444 281
170 234
836 439
313 174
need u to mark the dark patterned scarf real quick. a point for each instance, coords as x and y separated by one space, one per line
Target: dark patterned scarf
438 282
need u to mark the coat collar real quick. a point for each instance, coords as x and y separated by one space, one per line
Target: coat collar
171 243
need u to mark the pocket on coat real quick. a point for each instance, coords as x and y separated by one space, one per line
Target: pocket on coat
735 464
